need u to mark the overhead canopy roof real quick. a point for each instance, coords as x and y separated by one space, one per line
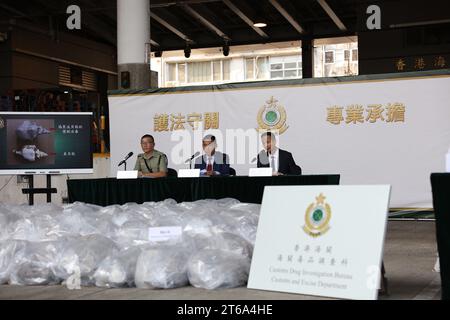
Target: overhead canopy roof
201 23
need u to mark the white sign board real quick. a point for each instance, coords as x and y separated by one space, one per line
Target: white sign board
158 234
260 172
127 174
188 173
321 240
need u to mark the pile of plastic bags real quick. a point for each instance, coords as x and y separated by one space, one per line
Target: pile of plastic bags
86 245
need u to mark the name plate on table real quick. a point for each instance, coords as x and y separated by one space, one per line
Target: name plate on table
321 240
158 234
260 172
127 174
188 173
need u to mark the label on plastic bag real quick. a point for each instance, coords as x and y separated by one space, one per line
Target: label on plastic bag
158 234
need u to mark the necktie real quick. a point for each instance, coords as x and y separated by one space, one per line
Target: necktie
209 165
272 164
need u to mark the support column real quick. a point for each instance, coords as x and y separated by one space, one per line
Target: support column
307 58
133 41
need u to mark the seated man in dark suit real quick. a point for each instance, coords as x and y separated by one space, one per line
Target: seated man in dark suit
279 160
212 162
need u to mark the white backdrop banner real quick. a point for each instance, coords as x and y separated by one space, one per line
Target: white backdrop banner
393 131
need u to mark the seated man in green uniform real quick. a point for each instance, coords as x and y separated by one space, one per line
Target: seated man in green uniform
151 163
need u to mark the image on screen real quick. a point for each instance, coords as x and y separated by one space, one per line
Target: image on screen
42 143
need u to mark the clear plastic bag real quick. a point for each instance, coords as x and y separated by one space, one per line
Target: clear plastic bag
213 269
33 264
225 241
118 270
83 253
162 267
8 249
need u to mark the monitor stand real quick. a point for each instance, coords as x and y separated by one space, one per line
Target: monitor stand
31 191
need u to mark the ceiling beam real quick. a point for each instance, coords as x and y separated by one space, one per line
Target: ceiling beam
12 10
170 27
154 43
332 15
287 16
165 3
246 19
205 22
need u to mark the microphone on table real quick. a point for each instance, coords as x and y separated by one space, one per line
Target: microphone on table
192 157
254 159
126 158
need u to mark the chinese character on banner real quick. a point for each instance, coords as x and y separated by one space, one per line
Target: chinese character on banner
400 64
395 112
354 114
161 122
211 120
280 257
289 258
419 64
194 119
439 62
334 115
177 121
375 112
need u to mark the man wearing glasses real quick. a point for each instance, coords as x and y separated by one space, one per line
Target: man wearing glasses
152 163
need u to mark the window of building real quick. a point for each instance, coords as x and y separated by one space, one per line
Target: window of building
347 55
286 67
198 72
256 68
336 57
329 56
226 70
250 68
355 55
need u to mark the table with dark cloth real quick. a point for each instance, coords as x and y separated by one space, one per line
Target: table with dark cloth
110 191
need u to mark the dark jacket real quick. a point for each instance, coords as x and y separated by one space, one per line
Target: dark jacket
286 163
221 163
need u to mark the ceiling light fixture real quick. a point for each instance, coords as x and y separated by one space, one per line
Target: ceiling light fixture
260 24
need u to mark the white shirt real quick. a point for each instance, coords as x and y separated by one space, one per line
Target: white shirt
208 159
276 157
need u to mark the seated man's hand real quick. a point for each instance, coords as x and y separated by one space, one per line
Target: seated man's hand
276 174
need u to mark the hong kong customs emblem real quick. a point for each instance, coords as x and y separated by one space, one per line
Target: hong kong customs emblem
317 217
272 117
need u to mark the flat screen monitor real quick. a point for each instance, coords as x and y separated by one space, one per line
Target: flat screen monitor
45 143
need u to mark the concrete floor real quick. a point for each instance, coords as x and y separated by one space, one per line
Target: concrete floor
410 255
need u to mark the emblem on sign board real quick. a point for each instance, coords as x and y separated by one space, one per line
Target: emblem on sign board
272 116
317 217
